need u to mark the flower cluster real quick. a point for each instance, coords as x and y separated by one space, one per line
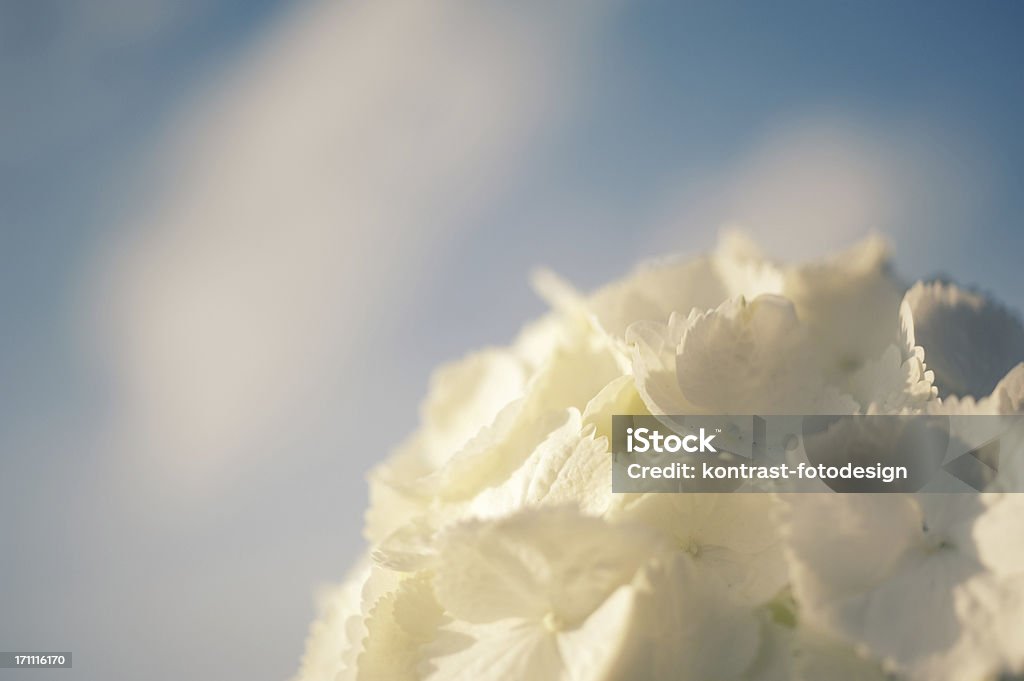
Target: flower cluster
498 550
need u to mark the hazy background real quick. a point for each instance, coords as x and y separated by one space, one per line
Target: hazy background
238 235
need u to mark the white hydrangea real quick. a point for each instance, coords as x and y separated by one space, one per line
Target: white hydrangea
498 551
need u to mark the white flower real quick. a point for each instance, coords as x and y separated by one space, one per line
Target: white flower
499 552
540 595
850 304
997 534
330 637
574 364
571 467
795 652
732 538
555 595
899 575
685 615
740 358
465 396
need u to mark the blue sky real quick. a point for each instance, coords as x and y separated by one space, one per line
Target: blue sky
586 140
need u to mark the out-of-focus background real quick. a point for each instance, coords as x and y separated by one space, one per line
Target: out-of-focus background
237 235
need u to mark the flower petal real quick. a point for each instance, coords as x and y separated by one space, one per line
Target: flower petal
970 342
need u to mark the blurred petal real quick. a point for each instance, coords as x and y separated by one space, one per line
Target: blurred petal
970 342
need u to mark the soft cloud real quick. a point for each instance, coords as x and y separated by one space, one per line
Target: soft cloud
821 181
306 192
